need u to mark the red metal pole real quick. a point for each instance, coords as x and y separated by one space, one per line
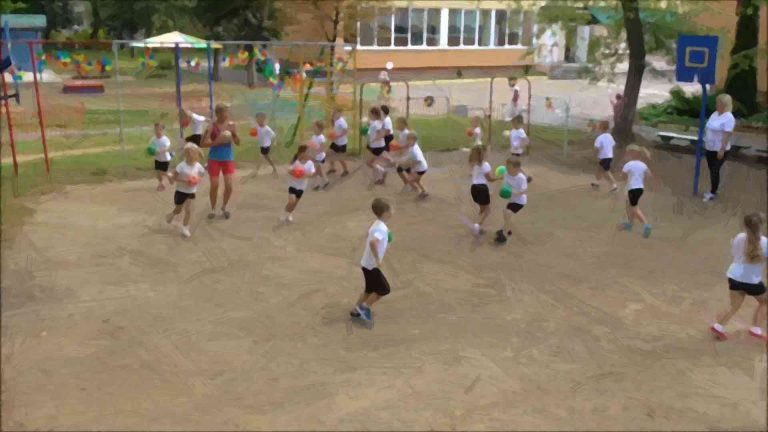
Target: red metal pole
10 121
40 115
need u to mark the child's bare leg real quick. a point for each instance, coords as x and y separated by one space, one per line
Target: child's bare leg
292 203
176 210
401 174
187 212
630 213
343 165
272 164
372 298
416 181
640 215
737 298
363 298
758 318
484 212
507 221
609 175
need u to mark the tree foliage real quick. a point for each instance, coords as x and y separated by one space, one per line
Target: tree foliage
741 83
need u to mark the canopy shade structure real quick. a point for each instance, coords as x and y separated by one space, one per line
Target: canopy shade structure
172 39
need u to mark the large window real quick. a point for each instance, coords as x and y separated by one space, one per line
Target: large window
401 27
454 27
470 28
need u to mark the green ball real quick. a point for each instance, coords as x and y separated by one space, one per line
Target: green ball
389 237
364 129
151 150
506 191
501 170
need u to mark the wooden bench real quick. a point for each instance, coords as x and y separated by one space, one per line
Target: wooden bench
667 137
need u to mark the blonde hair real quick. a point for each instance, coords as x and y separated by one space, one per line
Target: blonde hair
412 136
192 147
401 121
727 101
604 125
642 151
514 163
220 109
477 155
753 223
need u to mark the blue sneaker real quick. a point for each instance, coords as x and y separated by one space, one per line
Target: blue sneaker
626 226
647 230
365 312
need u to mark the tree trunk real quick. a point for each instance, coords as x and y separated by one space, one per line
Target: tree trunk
250 67
217 64
622 131
741 83
97 22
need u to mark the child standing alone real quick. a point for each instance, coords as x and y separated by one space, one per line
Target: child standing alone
162 146
636 171
376 285
265 135
604 145
187 176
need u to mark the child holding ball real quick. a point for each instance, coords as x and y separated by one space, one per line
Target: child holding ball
318 141
339 142
301 168
376 145
376 285
516 185
187 176
401 124
162 147
265 135
635 171
413 165
481 176
604 145
477 131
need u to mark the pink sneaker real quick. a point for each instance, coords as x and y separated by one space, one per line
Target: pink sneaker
721 335
758 334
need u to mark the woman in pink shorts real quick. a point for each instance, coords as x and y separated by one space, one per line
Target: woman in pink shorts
221 138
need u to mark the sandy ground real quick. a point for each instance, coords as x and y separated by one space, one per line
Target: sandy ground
110 320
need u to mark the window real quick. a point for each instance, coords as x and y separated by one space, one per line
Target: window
401 27
417 27
470 27
384 27
367 31
514 27
433 27
454 27
484 31
500 27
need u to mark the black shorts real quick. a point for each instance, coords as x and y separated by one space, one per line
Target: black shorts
338 148
162 166
264 150
388 139
375 282
481 195
605 164
514 207
421 173
194 138
296 192
748 288
516 154
376 151
634 196
180 197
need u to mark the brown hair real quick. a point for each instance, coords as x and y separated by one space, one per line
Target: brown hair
375 112
604 125
299 151
160 125
514 163
261 115
402 120
379 206
385 109
518 119
476 155
753 223
319 124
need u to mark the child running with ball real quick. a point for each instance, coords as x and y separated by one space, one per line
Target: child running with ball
514 189
301 168
379 238
476 131
518 141
187 176
412 165
318 143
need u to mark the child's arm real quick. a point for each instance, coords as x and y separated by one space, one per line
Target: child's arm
206 140
374 245
232 127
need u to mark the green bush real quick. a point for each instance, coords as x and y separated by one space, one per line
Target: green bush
165 64
679 108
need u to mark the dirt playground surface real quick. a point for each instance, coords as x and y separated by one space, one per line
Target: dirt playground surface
111 320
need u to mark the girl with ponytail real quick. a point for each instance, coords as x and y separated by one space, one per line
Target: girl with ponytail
299 172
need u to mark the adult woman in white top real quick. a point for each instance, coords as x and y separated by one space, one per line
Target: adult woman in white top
717 141
745 276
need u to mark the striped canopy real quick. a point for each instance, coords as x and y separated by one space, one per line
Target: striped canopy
169 40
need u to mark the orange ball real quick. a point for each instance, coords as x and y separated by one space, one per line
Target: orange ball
254 132
298 172
333 135
470 132
313 144
185 122
193 180
395 145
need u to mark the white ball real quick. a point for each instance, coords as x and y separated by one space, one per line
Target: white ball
389 65
506 133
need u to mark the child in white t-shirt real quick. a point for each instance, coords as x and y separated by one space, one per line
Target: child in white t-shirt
318 143
162 147
749 250
604 145
376 145
481 194
635 171
339 139
187 176
197 122
518 141
265 136
477 131
300 170
376 285
516 180
412 164
401 125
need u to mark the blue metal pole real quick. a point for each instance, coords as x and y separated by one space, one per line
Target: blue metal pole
177 56
700 143
210 77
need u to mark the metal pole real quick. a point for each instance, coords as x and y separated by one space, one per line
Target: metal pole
40 114
10 122
407 100
121 137
490 110
360 120
177 58
567 125
700 143
210 77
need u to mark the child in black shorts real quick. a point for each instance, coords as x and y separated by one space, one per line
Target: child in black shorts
376 285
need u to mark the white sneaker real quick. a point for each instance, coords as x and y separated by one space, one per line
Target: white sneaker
290 218
709 197
185 232
476 229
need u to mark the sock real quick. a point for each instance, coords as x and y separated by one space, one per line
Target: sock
756 330
719 327
365 306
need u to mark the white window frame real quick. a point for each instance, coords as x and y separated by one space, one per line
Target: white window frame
444 25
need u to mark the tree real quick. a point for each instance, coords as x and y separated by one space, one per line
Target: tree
741 83
97 23
58 13
622 130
